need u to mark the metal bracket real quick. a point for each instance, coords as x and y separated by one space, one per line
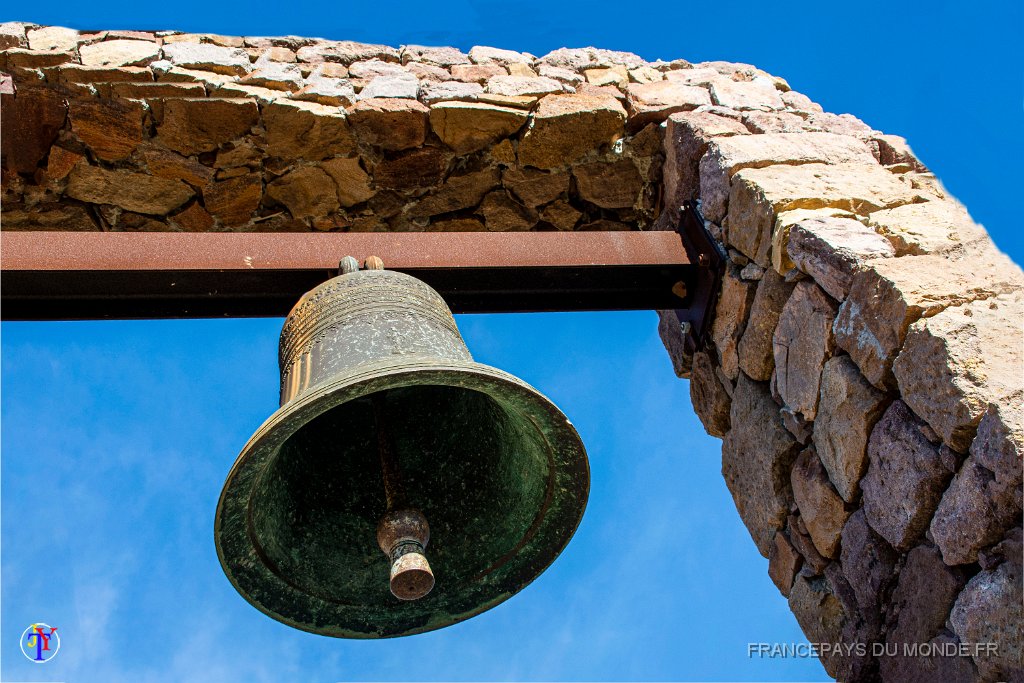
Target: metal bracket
709 257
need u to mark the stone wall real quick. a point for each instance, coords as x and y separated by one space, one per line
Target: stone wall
116 130
864 366
865 369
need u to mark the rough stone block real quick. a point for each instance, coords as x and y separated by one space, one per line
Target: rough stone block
75 73
890 294
276 76
984 500
841 124
166 164
726 156
262 95
12 34
927 228
148 91
616 76
31 120
758 194
731 314
193 218
920 606
894 150
60 161
450 91
905 479
345 52
111 128
231 61
405 86
390 124
439 56
784 222
136 192
756 355
991 610
480 54
833 250
515 101
820 615
673 337
64 218
589 57
501 213
610 185
565 127
458 192
562 216
373 68
352 181
469 126
814 563
686 140
192 126
759 93
783 563
955 363
479 73
821 508
533 187
412 169
53 39
306 130
307 192
757 456
710 399
923 597
177 74
801 344
516 86
234 201
119 53
848 409
869 565
654 102
334 92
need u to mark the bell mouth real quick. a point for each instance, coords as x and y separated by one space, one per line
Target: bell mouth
496 468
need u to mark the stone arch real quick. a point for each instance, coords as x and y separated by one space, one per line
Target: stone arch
864 363
864 372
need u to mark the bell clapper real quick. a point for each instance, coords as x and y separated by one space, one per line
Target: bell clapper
403 532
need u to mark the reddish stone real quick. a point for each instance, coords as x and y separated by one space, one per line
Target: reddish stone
905 479
112 129
424 167
390 124
60 162
234 201
30 123
783 563
194 218
202 125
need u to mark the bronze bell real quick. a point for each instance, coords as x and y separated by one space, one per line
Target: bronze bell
390 438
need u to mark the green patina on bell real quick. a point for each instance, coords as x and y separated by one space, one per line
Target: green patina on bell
390 438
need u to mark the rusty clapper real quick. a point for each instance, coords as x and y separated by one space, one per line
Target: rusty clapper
391 438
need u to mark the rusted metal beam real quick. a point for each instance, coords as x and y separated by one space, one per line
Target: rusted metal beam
89 275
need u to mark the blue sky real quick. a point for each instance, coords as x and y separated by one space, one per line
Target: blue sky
117 436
